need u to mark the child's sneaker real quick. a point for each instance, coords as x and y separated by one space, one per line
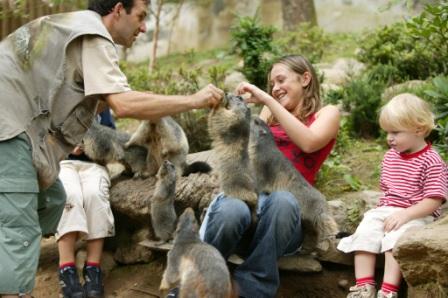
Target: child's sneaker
69 282
93 282
364 291
381 294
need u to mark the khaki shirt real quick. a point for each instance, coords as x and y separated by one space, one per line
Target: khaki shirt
102 74
54 71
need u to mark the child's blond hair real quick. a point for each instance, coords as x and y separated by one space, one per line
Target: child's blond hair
407 112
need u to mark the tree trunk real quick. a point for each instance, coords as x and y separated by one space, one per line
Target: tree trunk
296 12
173 23
155 36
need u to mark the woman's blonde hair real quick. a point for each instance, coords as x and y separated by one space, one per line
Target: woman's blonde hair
311 102
407 112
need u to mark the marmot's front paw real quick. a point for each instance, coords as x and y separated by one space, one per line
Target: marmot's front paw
127 144
164 286
254 216
252 202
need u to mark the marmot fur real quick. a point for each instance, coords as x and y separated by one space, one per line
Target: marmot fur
275 172
229 128
165 140
196 266
105 145
163 215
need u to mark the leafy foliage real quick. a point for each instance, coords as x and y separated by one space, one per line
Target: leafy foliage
217 75
253 42
384 73
439 95
362 99
431 29
395 47
416 49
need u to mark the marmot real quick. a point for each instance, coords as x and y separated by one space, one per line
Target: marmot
229 128
165 139
135 160
275 172
105 145
196 266
163 215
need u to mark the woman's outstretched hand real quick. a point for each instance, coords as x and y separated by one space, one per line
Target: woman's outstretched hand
251 93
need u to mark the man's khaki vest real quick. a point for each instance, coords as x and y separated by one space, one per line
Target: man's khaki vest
36 97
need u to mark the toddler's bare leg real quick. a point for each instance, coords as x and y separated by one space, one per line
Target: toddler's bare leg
392 272
364 264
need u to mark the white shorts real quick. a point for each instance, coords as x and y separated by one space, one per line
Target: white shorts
370 235
87 209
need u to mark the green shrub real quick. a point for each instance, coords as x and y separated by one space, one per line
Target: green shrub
394 46
253 42
430 28
217 75
417 49
438 94
384 73
333 96
362 99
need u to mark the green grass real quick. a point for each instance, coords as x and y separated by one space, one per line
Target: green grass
356 168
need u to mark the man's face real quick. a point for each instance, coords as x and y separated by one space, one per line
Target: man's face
130 25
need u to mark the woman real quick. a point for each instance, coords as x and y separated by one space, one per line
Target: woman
305 133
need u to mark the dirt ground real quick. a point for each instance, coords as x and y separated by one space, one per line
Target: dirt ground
142 280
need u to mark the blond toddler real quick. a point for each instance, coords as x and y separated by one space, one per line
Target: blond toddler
414 181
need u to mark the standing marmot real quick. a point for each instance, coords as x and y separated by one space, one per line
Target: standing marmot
163 215
229 128
275 172
199 267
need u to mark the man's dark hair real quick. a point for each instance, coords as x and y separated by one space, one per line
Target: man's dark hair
104 7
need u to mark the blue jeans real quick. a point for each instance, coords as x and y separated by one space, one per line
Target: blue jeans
278 232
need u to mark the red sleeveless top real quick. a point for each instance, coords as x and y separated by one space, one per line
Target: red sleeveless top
308 164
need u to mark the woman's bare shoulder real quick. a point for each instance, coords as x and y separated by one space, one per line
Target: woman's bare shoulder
329 111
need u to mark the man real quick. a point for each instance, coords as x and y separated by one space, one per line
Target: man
54 71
